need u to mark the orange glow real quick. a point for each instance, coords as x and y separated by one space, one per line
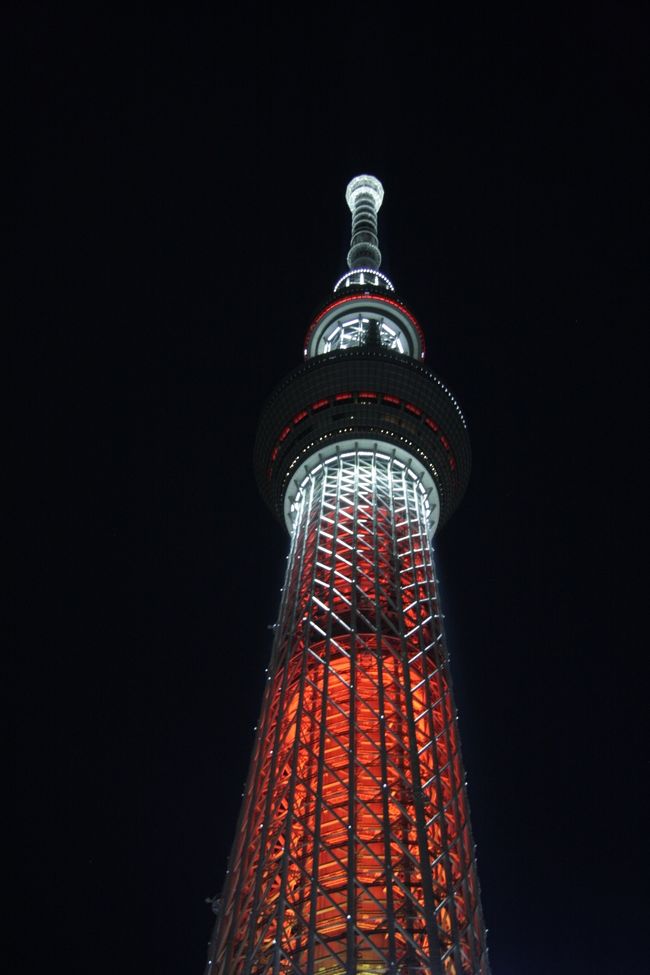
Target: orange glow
363 779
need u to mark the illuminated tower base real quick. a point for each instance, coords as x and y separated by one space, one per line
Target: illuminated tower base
353 854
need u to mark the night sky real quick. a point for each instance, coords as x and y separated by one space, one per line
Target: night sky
182 218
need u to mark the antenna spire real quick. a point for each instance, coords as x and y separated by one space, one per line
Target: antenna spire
364 196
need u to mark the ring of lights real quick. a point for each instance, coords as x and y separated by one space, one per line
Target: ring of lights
363 277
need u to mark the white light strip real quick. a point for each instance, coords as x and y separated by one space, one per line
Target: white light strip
363 448
365 270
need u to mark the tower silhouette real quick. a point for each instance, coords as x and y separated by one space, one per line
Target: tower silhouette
353 853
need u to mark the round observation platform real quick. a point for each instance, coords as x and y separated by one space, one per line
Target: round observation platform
363 311
368 394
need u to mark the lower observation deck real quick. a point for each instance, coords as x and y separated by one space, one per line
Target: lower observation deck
372 394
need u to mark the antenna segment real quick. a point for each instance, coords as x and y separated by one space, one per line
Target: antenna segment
364 196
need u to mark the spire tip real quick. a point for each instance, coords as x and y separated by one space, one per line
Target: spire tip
367 185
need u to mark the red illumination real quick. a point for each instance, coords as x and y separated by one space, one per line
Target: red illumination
365 395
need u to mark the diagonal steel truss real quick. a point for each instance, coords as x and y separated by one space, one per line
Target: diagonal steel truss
353 853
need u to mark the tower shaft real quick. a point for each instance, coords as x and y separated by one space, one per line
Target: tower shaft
353 854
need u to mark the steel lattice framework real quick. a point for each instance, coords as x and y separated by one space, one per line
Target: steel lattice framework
353 854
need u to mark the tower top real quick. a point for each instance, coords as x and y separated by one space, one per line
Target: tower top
364 196
363 311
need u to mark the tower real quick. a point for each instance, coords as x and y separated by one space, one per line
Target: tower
353 854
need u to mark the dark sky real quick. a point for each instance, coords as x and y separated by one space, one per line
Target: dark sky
181 219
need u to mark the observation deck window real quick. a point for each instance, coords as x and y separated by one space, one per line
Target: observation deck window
355 332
